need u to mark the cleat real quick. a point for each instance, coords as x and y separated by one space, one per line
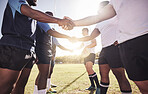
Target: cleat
50 90
91 88
52 85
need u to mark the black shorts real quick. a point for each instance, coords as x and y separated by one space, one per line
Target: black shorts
110 55
90 57
31 62
14 58
134 54
44 57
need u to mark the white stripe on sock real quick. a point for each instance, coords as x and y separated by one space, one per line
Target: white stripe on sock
104 85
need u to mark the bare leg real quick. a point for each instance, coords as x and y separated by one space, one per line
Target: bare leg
8 78
104 72
43 71
122 80
22 81
89 68
143 86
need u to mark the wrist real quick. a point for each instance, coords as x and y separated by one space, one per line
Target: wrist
58 21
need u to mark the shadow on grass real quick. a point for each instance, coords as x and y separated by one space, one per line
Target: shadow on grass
70 83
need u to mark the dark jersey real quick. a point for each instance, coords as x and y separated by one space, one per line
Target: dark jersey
17 29
43 40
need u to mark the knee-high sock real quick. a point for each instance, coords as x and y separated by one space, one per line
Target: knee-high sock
35 89
91 80
103 87
95 78
48 83
43 91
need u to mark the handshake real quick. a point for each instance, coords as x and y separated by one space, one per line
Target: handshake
66 23
73 39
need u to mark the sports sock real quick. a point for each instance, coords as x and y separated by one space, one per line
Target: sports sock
95 78
126 92
35 89
42 91
103 87
48 83
91 80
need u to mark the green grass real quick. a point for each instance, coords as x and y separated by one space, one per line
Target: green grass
73 79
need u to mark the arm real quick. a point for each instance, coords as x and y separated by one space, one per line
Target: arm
93 35
57 34
106 13
46 28
93 44
63 48
42 17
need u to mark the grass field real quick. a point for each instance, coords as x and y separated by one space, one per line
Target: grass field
73 79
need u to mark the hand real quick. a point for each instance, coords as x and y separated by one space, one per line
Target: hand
65 27
68 24
70 50
73 39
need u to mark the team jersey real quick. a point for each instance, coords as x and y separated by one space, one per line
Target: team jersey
108 29
92 50
133 18
17 29
43 39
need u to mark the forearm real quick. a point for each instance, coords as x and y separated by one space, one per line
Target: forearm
42 17
57 34
93 35
87 38
38 15
91 45
86 21
63 48
107 12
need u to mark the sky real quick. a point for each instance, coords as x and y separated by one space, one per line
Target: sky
75 9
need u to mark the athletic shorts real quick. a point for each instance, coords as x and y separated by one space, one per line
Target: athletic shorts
44 57
90 57
110 55
134 54
31 62
14 58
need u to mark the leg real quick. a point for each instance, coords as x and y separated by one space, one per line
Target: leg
92 76
36 84
90 71
8 78
122 80
136 62
143 86
104 73
43 70
89 67
12 61
49 78
22 81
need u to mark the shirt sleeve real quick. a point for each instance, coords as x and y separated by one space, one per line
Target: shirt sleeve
98 26
111 2
116 4
44 26
16 4
55 41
